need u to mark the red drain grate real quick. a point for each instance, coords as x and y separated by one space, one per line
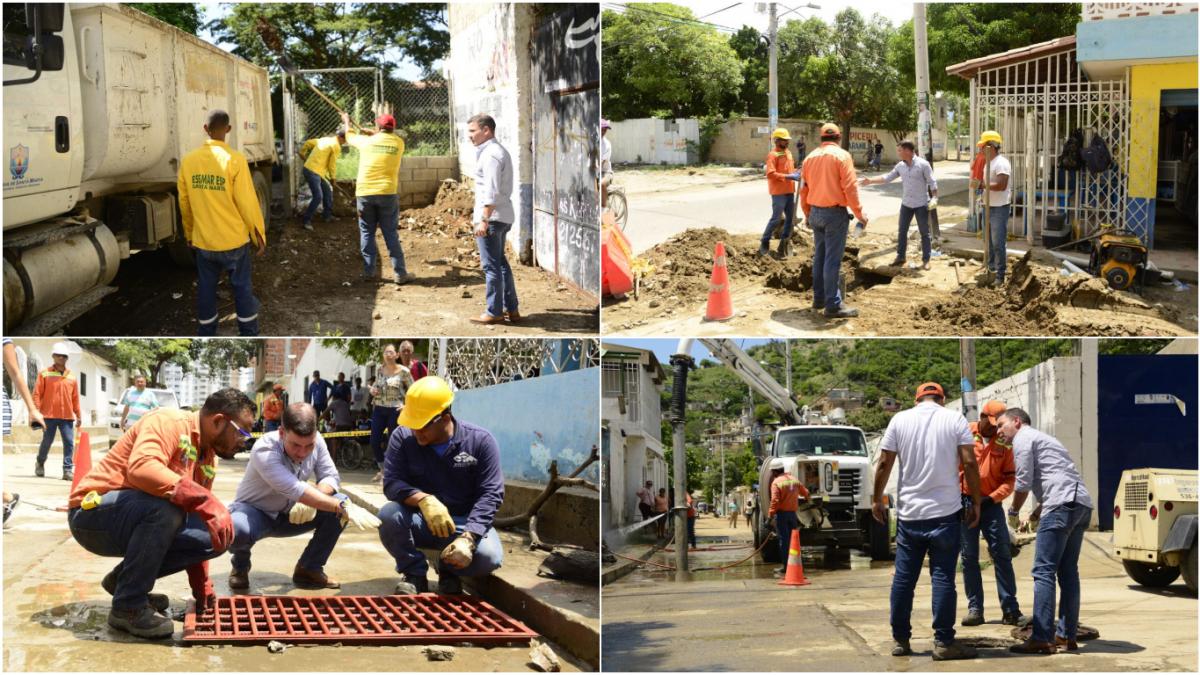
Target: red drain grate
427 618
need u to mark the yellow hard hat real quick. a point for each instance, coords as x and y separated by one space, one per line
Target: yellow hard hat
426 399
781 133
989 136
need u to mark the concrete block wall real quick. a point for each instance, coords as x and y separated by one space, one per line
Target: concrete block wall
420 178
655 141
748 140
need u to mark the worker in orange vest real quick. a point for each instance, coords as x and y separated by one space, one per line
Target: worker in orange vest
56 394
830 187
781 172
272 409
786 493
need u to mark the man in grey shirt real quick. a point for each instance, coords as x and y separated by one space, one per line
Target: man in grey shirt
493 218
1045 467
916 177
274 500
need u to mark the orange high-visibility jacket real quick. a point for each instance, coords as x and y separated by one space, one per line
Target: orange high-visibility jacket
779 164
56 395
786 492
272 408
830 180
997 466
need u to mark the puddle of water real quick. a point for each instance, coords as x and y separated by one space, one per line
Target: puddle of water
704 562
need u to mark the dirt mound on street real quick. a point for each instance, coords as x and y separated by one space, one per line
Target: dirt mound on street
449 214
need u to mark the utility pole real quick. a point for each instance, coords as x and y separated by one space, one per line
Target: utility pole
724 496
681 362
773 69
787 364
924 117
966 360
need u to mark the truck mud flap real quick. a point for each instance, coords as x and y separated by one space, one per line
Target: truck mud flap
1182 534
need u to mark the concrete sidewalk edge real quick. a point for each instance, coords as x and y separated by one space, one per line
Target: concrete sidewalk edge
623 567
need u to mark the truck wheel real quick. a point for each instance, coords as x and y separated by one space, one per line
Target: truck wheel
262 188
1189 569
1146 574
880 538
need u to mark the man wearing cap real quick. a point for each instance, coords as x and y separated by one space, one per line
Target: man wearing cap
222 221
997 200
377 193
274 499
917 181
493 218
320 157
1045 467
829 187
273 409
606 172
997 473
149 501
781 173
56 394
442 478
929 441
786 493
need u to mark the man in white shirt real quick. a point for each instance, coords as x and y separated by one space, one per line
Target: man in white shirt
930 441
606 173
493 218
998 201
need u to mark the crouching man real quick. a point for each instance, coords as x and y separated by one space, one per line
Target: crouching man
443 482
149 502
274 499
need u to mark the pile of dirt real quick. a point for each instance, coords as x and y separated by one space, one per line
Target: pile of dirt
449 216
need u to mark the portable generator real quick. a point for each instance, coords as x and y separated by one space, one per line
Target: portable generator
1119 259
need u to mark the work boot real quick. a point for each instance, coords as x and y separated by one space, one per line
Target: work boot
239 580
785 246
67 474
897 262
411 584
143 622
901 648
840 312
953 651
1015 619
449 584
11 506
1033 647
311 580
1071 645
779 571
308 227
158 601
402 279
818 307
973 618
764 249
39 469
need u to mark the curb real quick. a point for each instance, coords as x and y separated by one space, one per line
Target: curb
624 567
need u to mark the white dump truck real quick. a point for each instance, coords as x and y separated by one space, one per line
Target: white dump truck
101 103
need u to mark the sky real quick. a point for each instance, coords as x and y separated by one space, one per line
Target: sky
663 348
741 14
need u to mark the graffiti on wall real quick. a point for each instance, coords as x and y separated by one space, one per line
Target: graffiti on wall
489 41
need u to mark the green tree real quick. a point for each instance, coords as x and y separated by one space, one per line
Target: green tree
144 355
658 61
751 48
183 15
364 351
224 353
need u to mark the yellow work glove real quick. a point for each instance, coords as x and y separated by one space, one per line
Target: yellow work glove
301 513
437 516
460 552
353 514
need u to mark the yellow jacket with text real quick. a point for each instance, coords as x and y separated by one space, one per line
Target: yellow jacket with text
378 162
321 155
217 199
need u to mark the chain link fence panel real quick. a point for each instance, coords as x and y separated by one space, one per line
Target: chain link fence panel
482 362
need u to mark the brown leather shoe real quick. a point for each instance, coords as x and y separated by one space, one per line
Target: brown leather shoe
486 318
1071 645
312 580
1033 647
239 580
512 317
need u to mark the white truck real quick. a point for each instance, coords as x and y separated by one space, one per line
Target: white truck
101 102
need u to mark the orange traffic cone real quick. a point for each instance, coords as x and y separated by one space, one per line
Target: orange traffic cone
83 459
720 305
795 568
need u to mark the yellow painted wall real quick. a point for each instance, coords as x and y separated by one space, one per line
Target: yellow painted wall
1146 84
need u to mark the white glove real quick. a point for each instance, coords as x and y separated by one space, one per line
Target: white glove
301 513
358 516
460 552
933 204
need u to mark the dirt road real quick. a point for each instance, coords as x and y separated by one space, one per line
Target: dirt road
308 283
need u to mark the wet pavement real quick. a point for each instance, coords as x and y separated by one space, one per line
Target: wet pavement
742 619
55 612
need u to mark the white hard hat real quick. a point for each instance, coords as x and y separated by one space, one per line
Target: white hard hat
64 348
776 463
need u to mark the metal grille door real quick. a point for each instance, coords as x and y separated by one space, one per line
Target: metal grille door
391 619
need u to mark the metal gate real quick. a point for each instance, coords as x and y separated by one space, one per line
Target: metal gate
566 132
1035 104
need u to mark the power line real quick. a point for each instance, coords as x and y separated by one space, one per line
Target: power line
672 18
718 11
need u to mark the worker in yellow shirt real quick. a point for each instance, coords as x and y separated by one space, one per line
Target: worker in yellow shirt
222 222
320 157
377 193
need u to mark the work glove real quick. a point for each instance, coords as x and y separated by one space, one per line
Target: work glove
793 176
194 498
460 552
202 588
353 514
301 513
933 204
437 516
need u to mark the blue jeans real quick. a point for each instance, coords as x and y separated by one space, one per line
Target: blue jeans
66 428
691 531
403 530
210 265
251 524
501 288
382 211
1059 539
322 195
154 537
781 206
994 527
785 522
940 538
998 223
906 216
270 425
383 421
829 225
